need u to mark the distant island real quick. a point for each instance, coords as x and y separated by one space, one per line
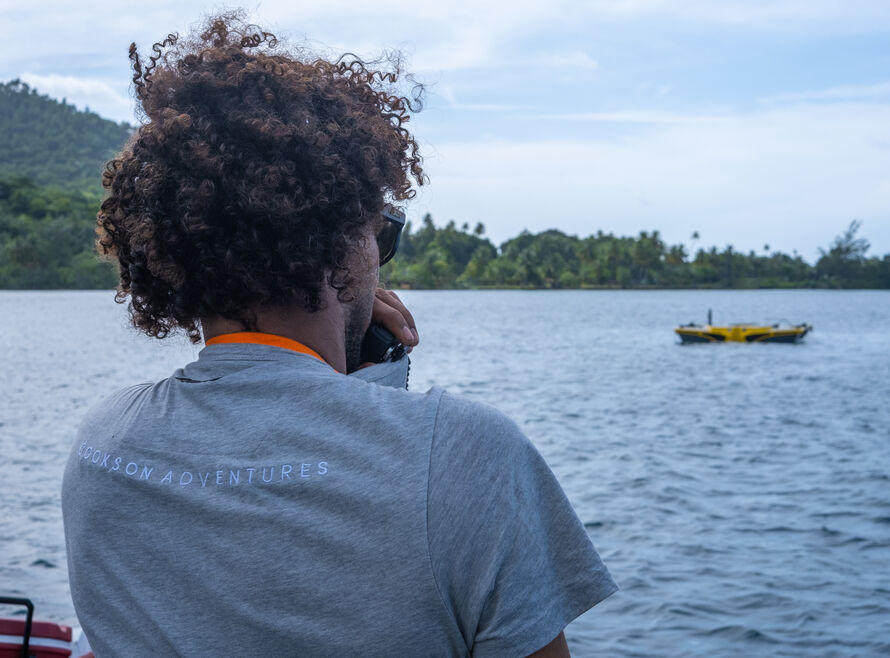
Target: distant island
51 155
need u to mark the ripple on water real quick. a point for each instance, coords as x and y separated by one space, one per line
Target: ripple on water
739 496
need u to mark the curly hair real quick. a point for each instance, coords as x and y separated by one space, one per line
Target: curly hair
252 177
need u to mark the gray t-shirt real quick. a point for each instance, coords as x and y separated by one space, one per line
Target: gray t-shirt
259 503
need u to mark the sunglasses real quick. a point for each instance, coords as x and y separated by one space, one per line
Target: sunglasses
388 237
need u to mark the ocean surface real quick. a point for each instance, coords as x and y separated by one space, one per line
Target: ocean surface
740 494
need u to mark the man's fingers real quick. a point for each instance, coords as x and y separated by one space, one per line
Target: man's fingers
392 320
395 302
391 313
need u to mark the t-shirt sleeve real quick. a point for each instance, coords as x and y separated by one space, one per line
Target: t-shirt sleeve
510 557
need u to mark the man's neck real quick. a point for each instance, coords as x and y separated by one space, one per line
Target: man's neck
322 331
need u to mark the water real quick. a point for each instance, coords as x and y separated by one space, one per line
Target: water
740 494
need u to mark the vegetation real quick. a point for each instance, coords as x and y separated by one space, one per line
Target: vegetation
51 142
51 155
457 258
47 236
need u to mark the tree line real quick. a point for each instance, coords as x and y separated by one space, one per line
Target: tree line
47 235
452 257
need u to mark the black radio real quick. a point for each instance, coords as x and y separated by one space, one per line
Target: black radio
380 345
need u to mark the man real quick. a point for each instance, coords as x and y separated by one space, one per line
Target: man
273 497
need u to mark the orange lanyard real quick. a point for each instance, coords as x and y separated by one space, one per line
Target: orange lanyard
259 338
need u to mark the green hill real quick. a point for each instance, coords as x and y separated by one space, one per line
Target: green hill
51 142
51 158
46 238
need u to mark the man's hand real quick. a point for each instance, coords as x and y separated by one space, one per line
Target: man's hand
390 312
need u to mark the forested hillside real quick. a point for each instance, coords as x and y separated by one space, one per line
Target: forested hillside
47 236
51 157
51 142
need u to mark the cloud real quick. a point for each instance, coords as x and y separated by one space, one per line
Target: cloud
439 37
792 173
97 95
791 15
447 93
788 14
633 116
839 93
572 60
792 177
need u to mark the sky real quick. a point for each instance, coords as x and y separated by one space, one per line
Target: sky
754 123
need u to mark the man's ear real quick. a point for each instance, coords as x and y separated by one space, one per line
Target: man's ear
335 288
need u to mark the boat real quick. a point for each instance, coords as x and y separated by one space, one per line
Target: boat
744 332
39 639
